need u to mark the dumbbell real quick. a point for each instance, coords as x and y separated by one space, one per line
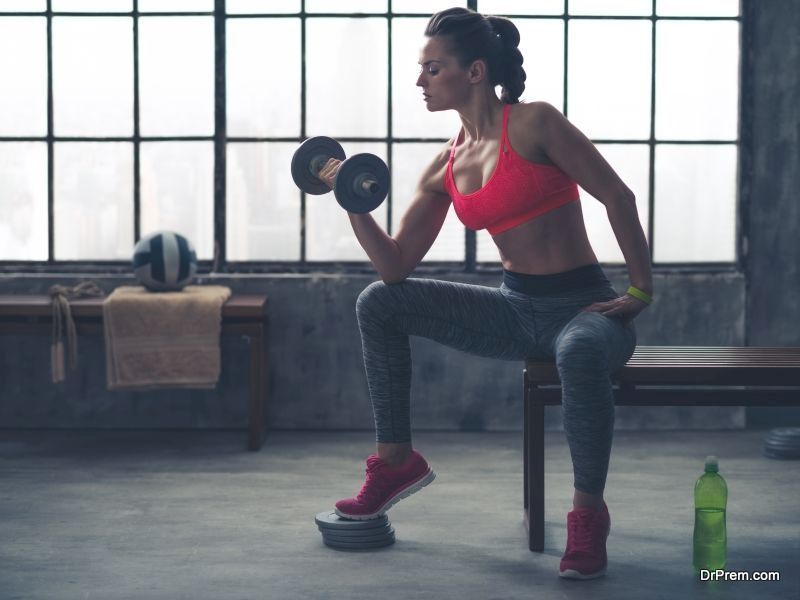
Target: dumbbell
362 181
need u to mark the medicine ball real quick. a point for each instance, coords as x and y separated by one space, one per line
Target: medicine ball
164 261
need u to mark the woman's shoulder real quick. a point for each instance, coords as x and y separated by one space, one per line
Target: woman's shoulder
538 112
529 123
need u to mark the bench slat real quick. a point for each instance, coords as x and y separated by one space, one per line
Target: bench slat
697 365
23 306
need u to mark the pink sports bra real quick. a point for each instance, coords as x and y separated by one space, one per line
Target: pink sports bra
517 191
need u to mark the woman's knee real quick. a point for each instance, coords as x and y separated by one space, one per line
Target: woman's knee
369 297
378 298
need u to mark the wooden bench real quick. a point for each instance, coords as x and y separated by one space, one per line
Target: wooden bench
242 315
659 376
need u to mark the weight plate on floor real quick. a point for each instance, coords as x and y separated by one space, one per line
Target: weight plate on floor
788 434
774 451
347 533
359 546
329 520
303 157
782 445
350 190
783 442
366 535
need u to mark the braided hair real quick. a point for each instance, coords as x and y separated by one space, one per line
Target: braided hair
495 39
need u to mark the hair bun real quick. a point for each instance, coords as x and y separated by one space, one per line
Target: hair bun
505 30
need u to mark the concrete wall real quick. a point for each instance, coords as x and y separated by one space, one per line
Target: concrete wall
317 379
773 201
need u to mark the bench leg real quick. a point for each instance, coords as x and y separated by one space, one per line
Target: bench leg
534 468
525 434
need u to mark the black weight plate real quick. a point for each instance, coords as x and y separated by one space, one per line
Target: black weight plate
301 172
358 546
785 434
346 533
775 445
363 539
346 194
783 442
329 520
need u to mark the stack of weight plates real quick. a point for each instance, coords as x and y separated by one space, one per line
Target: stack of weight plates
346 534
783 442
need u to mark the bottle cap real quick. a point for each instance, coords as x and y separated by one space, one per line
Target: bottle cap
712 466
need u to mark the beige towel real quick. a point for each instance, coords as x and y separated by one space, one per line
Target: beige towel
163 339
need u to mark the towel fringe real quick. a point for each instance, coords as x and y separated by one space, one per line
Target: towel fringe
64 324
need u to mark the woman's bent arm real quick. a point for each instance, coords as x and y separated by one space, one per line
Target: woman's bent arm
396 257
382 250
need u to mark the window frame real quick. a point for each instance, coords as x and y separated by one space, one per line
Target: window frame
219 264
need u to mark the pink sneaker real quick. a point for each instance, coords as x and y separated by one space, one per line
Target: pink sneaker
386 486
585 556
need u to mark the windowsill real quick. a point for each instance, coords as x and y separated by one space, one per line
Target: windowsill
266 271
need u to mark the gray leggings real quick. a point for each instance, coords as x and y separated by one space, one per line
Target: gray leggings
505 324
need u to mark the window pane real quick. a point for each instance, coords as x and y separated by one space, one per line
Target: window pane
93 76
347 96
698 8
346 6
176 5
695 203
632 163
93 201
93 5
254 109
177 191
697 80
263 204
23 201
410 117
176 81
521 7
262 6
23 60
426 7
329 235
611 7
485 249
408 162
543 66
23 6
610 102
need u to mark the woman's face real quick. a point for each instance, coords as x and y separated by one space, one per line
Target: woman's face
444 83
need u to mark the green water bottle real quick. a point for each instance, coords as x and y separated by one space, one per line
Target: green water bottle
710 538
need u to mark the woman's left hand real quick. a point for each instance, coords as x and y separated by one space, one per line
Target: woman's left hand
625 306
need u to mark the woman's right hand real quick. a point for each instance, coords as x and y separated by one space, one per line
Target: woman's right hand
329 171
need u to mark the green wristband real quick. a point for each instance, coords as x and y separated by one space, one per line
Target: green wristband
637 293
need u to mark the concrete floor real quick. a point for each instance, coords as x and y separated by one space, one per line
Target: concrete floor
140 515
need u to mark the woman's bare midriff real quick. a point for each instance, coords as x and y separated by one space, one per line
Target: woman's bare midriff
551 243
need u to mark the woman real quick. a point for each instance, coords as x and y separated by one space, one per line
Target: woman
512 169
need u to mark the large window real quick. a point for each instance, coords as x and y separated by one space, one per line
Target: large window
122 117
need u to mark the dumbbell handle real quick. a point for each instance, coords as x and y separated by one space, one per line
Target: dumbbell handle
364 183
315 164
367 184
